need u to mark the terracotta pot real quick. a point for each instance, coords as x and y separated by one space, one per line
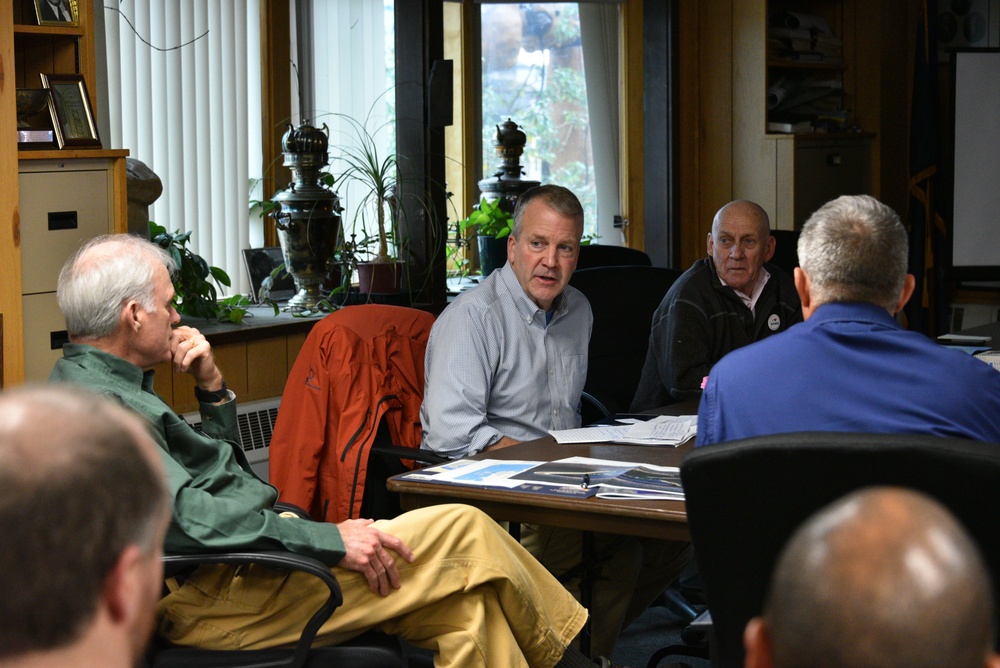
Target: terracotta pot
381 277
492 253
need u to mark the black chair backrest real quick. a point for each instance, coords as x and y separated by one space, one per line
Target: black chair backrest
746 498
623 300
600 255
786 252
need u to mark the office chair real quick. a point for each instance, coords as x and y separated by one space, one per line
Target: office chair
745 498
623 299
601 255
357 382
369 650
786 249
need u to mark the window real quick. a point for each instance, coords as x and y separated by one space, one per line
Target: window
347 69
184 91
552 68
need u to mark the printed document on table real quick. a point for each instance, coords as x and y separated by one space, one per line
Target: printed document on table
571 477
476 473
661 430
614 479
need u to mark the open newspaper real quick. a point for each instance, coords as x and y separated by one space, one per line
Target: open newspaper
570 477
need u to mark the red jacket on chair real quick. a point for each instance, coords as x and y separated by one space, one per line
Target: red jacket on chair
357 365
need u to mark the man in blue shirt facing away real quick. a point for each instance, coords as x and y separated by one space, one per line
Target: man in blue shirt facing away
850 366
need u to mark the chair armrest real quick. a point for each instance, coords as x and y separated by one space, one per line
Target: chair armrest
285 507
277 560
416 454
596 403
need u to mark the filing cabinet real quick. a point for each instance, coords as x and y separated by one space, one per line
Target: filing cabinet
63 202
44 334
826 168
84 188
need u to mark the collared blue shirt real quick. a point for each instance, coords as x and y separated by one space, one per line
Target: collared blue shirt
849 367
494 368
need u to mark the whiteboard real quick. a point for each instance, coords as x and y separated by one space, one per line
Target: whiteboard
976 212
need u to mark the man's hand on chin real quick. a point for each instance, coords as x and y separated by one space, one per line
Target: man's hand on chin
191 353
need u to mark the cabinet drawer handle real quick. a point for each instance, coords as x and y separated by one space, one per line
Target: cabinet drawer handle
834 159
62 220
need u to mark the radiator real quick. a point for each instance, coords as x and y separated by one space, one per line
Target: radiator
256 422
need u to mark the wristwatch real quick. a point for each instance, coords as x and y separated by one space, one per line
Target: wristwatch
212 396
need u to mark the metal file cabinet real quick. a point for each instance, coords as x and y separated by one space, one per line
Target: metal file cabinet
826 168
62 203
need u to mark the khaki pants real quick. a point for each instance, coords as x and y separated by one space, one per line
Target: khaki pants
634 573
473 595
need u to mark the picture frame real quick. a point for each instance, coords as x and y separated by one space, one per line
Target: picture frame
54 13
72 116
259 263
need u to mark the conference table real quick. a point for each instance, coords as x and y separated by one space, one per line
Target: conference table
625 517
629 517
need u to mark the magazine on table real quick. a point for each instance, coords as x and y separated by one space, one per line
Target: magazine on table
570 477
614 479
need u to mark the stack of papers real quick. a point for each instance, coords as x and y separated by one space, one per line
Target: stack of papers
966 343
661 430
573 476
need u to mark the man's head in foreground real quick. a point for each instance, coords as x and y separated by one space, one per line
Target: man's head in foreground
544 245
883 577
83 513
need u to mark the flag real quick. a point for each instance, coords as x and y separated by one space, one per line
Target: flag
925 226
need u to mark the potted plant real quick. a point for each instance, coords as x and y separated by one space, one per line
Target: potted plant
364 168
492 225
196 296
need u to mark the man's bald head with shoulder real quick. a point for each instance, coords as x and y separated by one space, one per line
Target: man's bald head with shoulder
883 577
83 514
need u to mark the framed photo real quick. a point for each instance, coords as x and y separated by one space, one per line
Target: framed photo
57 12
72 117
260 262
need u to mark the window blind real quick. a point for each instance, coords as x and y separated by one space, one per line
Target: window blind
184 98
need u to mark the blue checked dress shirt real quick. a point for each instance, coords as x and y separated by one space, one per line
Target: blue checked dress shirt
494 368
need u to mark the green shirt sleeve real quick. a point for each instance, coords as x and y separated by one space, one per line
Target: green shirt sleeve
219 503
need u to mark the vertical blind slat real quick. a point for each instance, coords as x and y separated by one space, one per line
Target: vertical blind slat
191 114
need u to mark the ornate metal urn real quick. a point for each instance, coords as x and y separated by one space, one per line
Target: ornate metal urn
307 215
506 184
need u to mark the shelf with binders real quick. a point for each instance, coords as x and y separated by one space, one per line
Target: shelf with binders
806 68
798 104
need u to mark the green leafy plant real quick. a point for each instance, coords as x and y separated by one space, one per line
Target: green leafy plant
376 176
234 309
488 219
196 295
458 264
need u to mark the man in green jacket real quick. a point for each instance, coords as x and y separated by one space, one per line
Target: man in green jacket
445 578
